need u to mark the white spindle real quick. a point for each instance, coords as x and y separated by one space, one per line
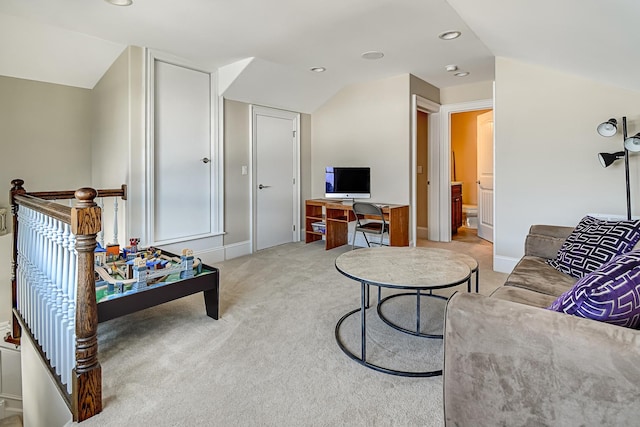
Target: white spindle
34 276
50 326
43 282
62 237
49 267
47 286
64 312
42 256
71 313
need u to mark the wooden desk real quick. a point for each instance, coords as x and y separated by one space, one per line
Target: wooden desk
337 216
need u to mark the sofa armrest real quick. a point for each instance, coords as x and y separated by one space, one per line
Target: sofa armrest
510 364
544 241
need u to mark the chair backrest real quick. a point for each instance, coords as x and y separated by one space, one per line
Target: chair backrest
363 208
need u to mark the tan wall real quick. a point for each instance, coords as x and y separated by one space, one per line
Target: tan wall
466 93
464 145
426 90
237 187
110 141
305 167
422 178
546 146
46 134
366 124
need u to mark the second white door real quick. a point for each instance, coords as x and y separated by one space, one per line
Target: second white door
276 170
485 176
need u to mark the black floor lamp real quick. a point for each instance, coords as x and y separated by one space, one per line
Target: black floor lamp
610 128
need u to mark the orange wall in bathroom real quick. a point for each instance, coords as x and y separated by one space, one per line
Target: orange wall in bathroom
464 146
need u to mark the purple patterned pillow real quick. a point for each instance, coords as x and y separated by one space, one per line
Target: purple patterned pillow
593 243
610 294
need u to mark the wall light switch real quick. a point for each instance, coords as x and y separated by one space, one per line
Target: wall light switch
419 169
244 170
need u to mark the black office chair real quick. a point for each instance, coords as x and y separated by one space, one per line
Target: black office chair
374 224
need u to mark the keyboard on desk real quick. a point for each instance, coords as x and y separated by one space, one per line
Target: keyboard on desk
350 203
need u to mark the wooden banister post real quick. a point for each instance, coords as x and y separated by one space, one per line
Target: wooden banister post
87 374
16 332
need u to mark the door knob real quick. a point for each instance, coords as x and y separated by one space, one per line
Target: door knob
263 186
205 160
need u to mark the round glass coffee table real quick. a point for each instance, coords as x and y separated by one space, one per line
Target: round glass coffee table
416 269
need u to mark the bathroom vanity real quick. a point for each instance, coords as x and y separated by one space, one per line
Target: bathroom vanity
456 206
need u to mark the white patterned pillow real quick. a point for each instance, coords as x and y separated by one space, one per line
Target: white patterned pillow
593 243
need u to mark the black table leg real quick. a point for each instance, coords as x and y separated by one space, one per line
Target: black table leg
364 291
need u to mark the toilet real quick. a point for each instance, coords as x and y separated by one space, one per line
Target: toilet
470 216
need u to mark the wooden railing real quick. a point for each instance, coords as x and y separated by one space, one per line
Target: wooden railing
53 287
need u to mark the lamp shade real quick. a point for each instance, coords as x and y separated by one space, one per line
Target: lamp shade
606 159
608 128
633 142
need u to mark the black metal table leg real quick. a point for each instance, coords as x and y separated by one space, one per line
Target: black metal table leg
363 321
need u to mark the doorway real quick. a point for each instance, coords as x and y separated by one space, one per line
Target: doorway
427 181
472 172
276 177
422 180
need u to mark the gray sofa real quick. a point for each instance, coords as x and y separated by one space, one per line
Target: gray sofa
510 362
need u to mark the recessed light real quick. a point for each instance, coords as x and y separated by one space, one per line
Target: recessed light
372 54
318 69
120 2
451 67
450 35
461 74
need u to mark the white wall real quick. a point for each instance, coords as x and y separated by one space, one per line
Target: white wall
546 147
366 124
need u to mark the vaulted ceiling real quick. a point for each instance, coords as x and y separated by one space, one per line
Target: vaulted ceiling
73 42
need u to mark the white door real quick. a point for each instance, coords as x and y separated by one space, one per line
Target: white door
276 170
181 153
485 175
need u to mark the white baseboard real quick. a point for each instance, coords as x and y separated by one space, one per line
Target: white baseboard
236 250
10 375
210 256
217 254
10 405
503 264
422 233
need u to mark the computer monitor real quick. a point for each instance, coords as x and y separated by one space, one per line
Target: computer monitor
347 182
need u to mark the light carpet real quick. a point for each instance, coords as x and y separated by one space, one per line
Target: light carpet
272 358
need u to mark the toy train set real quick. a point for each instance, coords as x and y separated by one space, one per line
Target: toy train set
121 272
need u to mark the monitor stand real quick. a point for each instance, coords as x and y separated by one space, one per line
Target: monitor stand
348 202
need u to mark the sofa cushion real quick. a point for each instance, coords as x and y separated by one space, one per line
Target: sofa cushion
593 243
535 274
545 241
610 294
523 296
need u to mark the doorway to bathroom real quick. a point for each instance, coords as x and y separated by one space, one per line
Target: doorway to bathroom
472 175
